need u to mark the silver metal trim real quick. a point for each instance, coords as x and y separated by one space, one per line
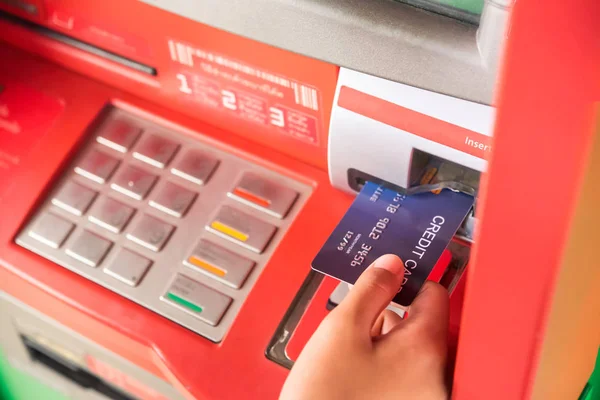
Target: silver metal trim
383 38
276 349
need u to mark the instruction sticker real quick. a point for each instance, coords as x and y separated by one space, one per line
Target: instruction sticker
247 92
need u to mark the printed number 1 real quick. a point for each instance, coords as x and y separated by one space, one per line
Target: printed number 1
183 84
276 117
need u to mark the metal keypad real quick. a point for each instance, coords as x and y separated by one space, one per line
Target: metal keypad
152 215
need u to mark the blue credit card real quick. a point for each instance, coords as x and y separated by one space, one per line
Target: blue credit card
381 221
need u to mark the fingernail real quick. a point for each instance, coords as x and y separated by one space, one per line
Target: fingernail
390 262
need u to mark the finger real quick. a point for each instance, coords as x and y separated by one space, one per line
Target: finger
373 291
376 329
430 311
386 321
390 321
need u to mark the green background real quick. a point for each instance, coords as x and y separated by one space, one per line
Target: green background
472 6
16 385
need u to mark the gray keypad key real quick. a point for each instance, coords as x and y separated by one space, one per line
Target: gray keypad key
128 267
241 228
195 166
118 134
155 150
89 248
197 299
219 263
263 194
133 182
111 214
51 230
74 198
173 200
97 166
151 233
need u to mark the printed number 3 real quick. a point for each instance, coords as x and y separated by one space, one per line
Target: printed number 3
276 117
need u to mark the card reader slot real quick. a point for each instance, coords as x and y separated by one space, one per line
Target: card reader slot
426 169
457 177
357 179
78 44
83 378
22 5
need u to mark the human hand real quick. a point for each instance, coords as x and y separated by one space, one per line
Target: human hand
362 351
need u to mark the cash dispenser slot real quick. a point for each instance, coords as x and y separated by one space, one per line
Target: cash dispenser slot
79 44
60 364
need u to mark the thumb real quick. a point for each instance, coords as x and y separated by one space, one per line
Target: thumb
430 311
373 291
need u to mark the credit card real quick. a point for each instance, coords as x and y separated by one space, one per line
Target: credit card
381 221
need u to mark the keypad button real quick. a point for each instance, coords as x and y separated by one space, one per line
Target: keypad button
219 263
133 182
128 267
118 134
89 248
241 228
51 230
197 299
258 192
111 214
74 198
151 233
173 200
97 166
195 166
155 150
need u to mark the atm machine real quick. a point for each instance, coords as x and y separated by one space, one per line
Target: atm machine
169 169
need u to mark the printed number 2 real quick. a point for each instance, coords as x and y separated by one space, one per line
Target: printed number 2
183 84
228 99
276 117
